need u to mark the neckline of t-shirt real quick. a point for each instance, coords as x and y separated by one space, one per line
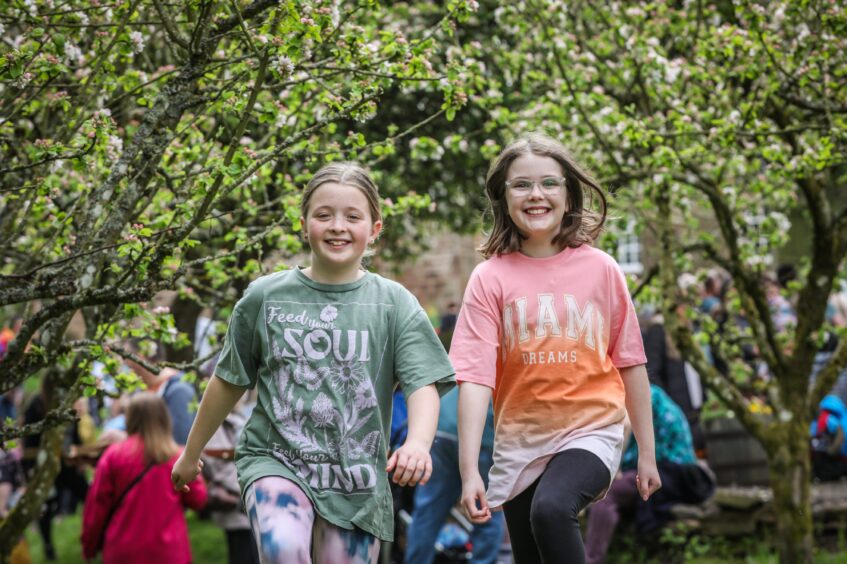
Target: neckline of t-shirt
536 260
346 287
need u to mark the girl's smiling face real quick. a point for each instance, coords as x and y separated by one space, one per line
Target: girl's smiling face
339 227
537 214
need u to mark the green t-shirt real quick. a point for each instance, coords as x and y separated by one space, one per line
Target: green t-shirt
326 359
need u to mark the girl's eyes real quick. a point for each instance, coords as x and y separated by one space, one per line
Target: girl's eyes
325 215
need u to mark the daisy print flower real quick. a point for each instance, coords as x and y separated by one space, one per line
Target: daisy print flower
346 375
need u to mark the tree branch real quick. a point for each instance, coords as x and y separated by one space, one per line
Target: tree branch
11 372
172 32
77 155
247 13
722 386
820 107
52 419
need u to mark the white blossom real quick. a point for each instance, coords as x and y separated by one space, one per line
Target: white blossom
73 53
114 146
283 66
137 41
673 70
24 80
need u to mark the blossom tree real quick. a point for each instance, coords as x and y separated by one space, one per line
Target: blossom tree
151 146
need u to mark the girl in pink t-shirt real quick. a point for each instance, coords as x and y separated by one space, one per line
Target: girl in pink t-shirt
548 325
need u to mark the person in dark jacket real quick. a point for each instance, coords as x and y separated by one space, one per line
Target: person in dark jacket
668 370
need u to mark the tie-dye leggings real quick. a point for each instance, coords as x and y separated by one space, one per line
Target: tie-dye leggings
287 529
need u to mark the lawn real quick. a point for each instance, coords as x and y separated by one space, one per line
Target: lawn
208 544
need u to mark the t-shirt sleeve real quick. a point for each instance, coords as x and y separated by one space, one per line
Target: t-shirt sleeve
420 358
626 347
238 363
476 339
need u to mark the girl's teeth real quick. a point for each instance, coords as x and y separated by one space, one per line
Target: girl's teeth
536 212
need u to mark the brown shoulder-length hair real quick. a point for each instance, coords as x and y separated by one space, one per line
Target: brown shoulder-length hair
148 417
580 225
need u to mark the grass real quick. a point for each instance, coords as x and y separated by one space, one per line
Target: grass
208 543
698 549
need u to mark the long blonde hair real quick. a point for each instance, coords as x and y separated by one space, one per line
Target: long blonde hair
148 417
580 224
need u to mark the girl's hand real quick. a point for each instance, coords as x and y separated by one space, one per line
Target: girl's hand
184 472
473 499
647 480
411 464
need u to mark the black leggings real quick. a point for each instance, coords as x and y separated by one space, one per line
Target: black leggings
543 519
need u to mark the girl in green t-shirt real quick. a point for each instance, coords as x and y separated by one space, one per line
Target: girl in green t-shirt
325 346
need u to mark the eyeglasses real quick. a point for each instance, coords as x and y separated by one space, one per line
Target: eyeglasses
548 184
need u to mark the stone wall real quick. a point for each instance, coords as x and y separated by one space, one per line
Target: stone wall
438 276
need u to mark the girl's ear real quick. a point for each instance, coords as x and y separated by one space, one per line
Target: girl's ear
303 226
375 231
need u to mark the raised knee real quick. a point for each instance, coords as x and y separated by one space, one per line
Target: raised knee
283 550
549 512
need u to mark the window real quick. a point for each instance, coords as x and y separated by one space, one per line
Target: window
629 250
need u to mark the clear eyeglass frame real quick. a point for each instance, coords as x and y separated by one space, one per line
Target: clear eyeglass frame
548 184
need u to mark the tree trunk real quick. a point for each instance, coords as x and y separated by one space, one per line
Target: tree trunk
790 472
38 488
185 314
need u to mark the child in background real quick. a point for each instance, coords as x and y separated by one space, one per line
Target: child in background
325 345
547 323
132 513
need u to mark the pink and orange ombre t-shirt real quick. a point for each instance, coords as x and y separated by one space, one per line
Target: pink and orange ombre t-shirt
548 335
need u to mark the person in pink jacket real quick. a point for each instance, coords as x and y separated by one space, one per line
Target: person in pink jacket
132 512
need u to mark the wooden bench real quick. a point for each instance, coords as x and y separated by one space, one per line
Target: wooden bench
739 510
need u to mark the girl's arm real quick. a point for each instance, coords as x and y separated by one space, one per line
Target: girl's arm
640 412
411 462
197 494
473 409
218 400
